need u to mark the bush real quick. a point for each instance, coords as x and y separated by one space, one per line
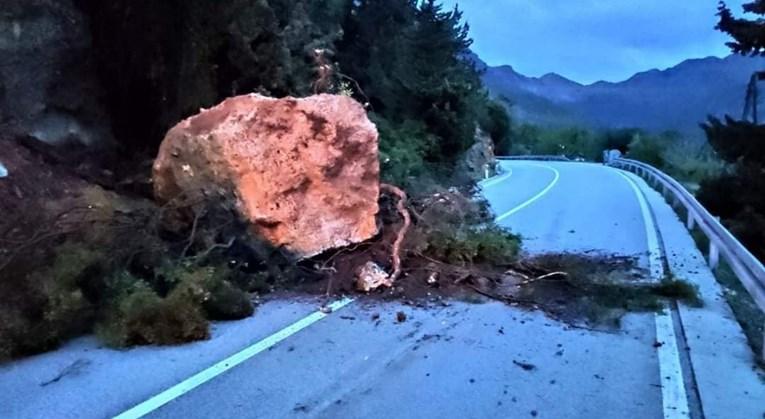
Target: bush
648 149
402 150
226 302
455 229
474 244
141 317
496 122
572 142
138 315
60 306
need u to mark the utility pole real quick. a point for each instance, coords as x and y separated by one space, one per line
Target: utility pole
752 93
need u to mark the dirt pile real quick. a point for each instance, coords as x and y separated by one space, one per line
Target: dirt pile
303 173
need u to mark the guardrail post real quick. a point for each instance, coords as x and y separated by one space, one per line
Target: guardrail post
691 222
714 255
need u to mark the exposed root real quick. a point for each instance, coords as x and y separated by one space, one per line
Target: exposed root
371 276
401 207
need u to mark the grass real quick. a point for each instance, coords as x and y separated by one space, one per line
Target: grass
745 309
748 314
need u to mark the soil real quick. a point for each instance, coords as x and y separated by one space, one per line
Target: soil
589 291
45 203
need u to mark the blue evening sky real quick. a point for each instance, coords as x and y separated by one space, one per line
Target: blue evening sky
591 40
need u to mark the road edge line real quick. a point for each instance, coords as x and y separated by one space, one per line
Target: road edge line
196 380
488 183
530 201
674 396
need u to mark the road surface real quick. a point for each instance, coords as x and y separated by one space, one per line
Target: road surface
463 360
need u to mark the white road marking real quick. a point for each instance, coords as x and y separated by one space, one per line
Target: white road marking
674 397
535 197
200 378
492 182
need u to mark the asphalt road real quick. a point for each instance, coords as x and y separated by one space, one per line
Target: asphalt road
463 360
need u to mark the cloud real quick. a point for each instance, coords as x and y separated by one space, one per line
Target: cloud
590 40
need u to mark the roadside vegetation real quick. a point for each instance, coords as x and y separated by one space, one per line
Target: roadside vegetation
689 160
108 259
117 264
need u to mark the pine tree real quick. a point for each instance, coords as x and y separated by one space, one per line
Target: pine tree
409 57
739 196
748 35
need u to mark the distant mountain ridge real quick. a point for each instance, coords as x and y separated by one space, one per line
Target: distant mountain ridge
678 98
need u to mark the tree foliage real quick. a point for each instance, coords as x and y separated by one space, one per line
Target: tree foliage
408 57
405 58
748 35
739 196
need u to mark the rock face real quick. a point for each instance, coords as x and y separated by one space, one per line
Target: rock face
479 157
303 173
48 85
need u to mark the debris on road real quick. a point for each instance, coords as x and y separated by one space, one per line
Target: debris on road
433 278
525 365
371 276
72 369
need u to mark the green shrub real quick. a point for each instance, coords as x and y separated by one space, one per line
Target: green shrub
60 305
474 244
141 317
648 149
496 122
226 302
219 297
402 150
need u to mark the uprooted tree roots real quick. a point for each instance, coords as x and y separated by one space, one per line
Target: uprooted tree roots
371 276
451 249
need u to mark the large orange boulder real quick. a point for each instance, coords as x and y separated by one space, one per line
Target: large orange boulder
303 173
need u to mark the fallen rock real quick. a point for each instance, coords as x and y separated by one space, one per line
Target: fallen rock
303 173
479 161
371 276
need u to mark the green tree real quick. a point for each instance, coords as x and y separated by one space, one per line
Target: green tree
408 57
748 35
739 196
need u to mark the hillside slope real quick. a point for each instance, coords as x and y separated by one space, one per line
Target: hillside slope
678 98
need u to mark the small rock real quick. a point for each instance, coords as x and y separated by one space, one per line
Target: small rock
371 276
400 317
433 278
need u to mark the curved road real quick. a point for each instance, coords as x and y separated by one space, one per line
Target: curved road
460 360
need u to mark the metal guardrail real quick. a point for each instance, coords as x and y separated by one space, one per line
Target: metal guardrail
749 270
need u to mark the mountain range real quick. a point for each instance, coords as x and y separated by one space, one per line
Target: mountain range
677 99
